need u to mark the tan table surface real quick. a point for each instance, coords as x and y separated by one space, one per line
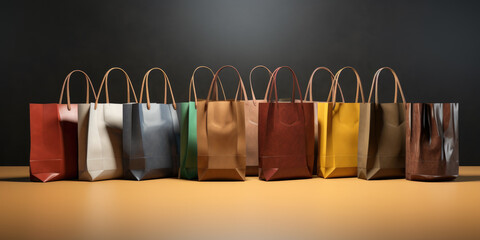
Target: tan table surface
344 208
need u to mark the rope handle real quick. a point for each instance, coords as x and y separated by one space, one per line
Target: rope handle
105 81
66 82
167 81
274 85
359 85
397 86
214 82
332 76
192 85
251 85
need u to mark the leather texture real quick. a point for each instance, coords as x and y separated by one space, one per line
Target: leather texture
285 136
151 135
308 92
432 142
381 135
53 137
251 125
221 136
187 115
338 134
100 136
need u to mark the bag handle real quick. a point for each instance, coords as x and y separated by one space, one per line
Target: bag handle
251 85
105 81
375 83
67 83
359 85
332 77
192 85
214 82
274 86
167 81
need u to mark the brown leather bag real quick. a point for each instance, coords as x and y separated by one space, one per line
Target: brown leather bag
221 136
381 135
285 136
432 141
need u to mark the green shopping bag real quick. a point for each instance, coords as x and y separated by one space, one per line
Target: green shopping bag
188 140
187 114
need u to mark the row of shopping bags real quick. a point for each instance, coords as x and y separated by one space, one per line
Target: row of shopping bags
215 139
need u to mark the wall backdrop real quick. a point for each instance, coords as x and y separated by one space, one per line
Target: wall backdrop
433 46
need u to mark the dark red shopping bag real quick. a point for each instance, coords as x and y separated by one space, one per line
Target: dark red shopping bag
285 136
53 137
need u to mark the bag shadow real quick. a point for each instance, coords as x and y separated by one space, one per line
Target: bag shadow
468 178
15 179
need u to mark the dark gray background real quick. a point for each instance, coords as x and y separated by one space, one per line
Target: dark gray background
433 46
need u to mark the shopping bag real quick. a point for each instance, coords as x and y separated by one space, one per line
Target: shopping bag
338 134
221 136
285 135
432 141
187 115
315 107
251 125
151 136
100 128
381 135
53 137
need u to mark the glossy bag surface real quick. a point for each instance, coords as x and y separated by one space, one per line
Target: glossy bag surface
150 136
100 132
285 136
338 134
53 137
432 142
381 136
221 137
187 115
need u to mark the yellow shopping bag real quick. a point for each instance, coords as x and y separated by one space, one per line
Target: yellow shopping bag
338 134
